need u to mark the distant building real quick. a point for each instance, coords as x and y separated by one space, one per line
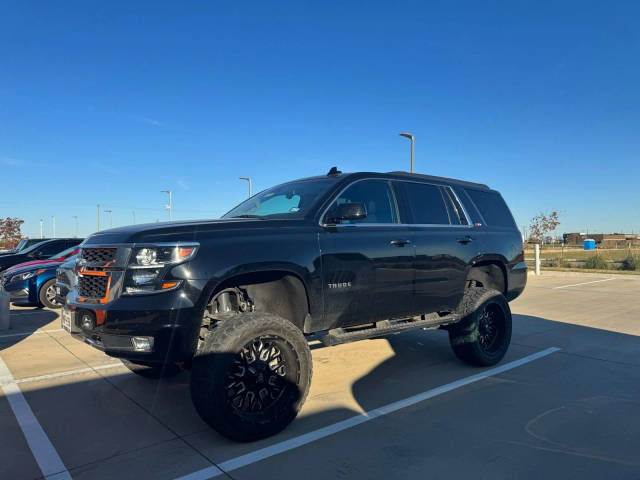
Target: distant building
603 240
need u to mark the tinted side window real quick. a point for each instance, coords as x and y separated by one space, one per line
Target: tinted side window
426 203
493 208
377 199
51 248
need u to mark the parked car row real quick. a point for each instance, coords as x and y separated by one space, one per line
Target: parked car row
29 274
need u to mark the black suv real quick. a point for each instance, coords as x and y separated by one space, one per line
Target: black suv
341 256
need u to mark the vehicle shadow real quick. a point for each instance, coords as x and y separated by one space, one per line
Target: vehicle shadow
424 359
24 323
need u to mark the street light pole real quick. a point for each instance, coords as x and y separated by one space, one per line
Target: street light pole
248 179
75 217
53 217
41 231
98 217
410 137
134 216
169 207
110 217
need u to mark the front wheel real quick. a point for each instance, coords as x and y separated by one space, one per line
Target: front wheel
483 336
251 375
47 294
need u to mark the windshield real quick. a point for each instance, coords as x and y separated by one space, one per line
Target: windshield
64 253
20 245
292 199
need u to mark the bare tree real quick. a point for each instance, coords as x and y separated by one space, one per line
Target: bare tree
10 232
541 225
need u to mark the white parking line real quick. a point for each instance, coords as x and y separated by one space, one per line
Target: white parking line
584 283
43 451
26 334
270 451
67 373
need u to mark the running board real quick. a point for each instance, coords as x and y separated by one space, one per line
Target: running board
337 336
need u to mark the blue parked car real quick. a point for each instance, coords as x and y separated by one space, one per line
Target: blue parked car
33 285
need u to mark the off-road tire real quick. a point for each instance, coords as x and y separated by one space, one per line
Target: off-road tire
152 371
226 364
484 310
42 294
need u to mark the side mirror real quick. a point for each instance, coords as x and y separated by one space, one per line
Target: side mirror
346 211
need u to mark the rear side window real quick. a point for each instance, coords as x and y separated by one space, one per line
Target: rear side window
426 203
493 208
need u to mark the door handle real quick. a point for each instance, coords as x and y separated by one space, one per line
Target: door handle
400 243
464 240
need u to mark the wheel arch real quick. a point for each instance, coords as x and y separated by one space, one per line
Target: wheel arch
491 272
279 291
41 280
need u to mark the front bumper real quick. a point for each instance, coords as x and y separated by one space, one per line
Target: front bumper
172 319
19 292
61 293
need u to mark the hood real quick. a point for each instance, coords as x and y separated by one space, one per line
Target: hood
32 262
69 264
29 268
183 231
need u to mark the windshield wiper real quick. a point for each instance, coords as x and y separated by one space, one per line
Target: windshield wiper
247 216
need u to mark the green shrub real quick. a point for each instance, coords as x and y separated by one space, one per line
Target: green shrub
596 262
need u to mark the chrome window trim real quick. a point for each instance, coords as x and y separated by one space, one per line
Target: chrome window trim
464 210
389 180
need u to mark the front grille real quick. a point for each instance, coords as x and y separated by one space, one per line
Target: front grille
61 277
92 286
99 255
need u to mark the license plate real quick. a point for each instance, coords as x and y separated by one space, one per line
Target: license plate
67 316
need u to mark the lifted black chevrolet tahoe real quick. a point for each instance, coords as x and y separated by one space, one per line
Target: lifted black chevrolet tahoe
342 256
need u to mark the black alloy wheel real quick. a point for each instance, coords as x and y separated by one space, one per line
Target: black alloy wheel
256 378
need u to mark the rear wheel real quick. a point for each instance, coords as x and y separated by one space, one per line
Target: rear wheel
47 294
251 375
483 336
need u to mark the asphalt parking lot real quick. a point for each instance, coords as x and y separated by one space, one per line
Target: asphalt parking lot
564 403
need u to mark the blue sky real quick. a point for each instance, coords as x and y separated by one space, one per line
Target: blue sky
111 102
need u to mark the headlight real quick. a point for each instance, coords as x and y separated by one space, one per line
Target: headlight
148 267
146 256
163 254
25 276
